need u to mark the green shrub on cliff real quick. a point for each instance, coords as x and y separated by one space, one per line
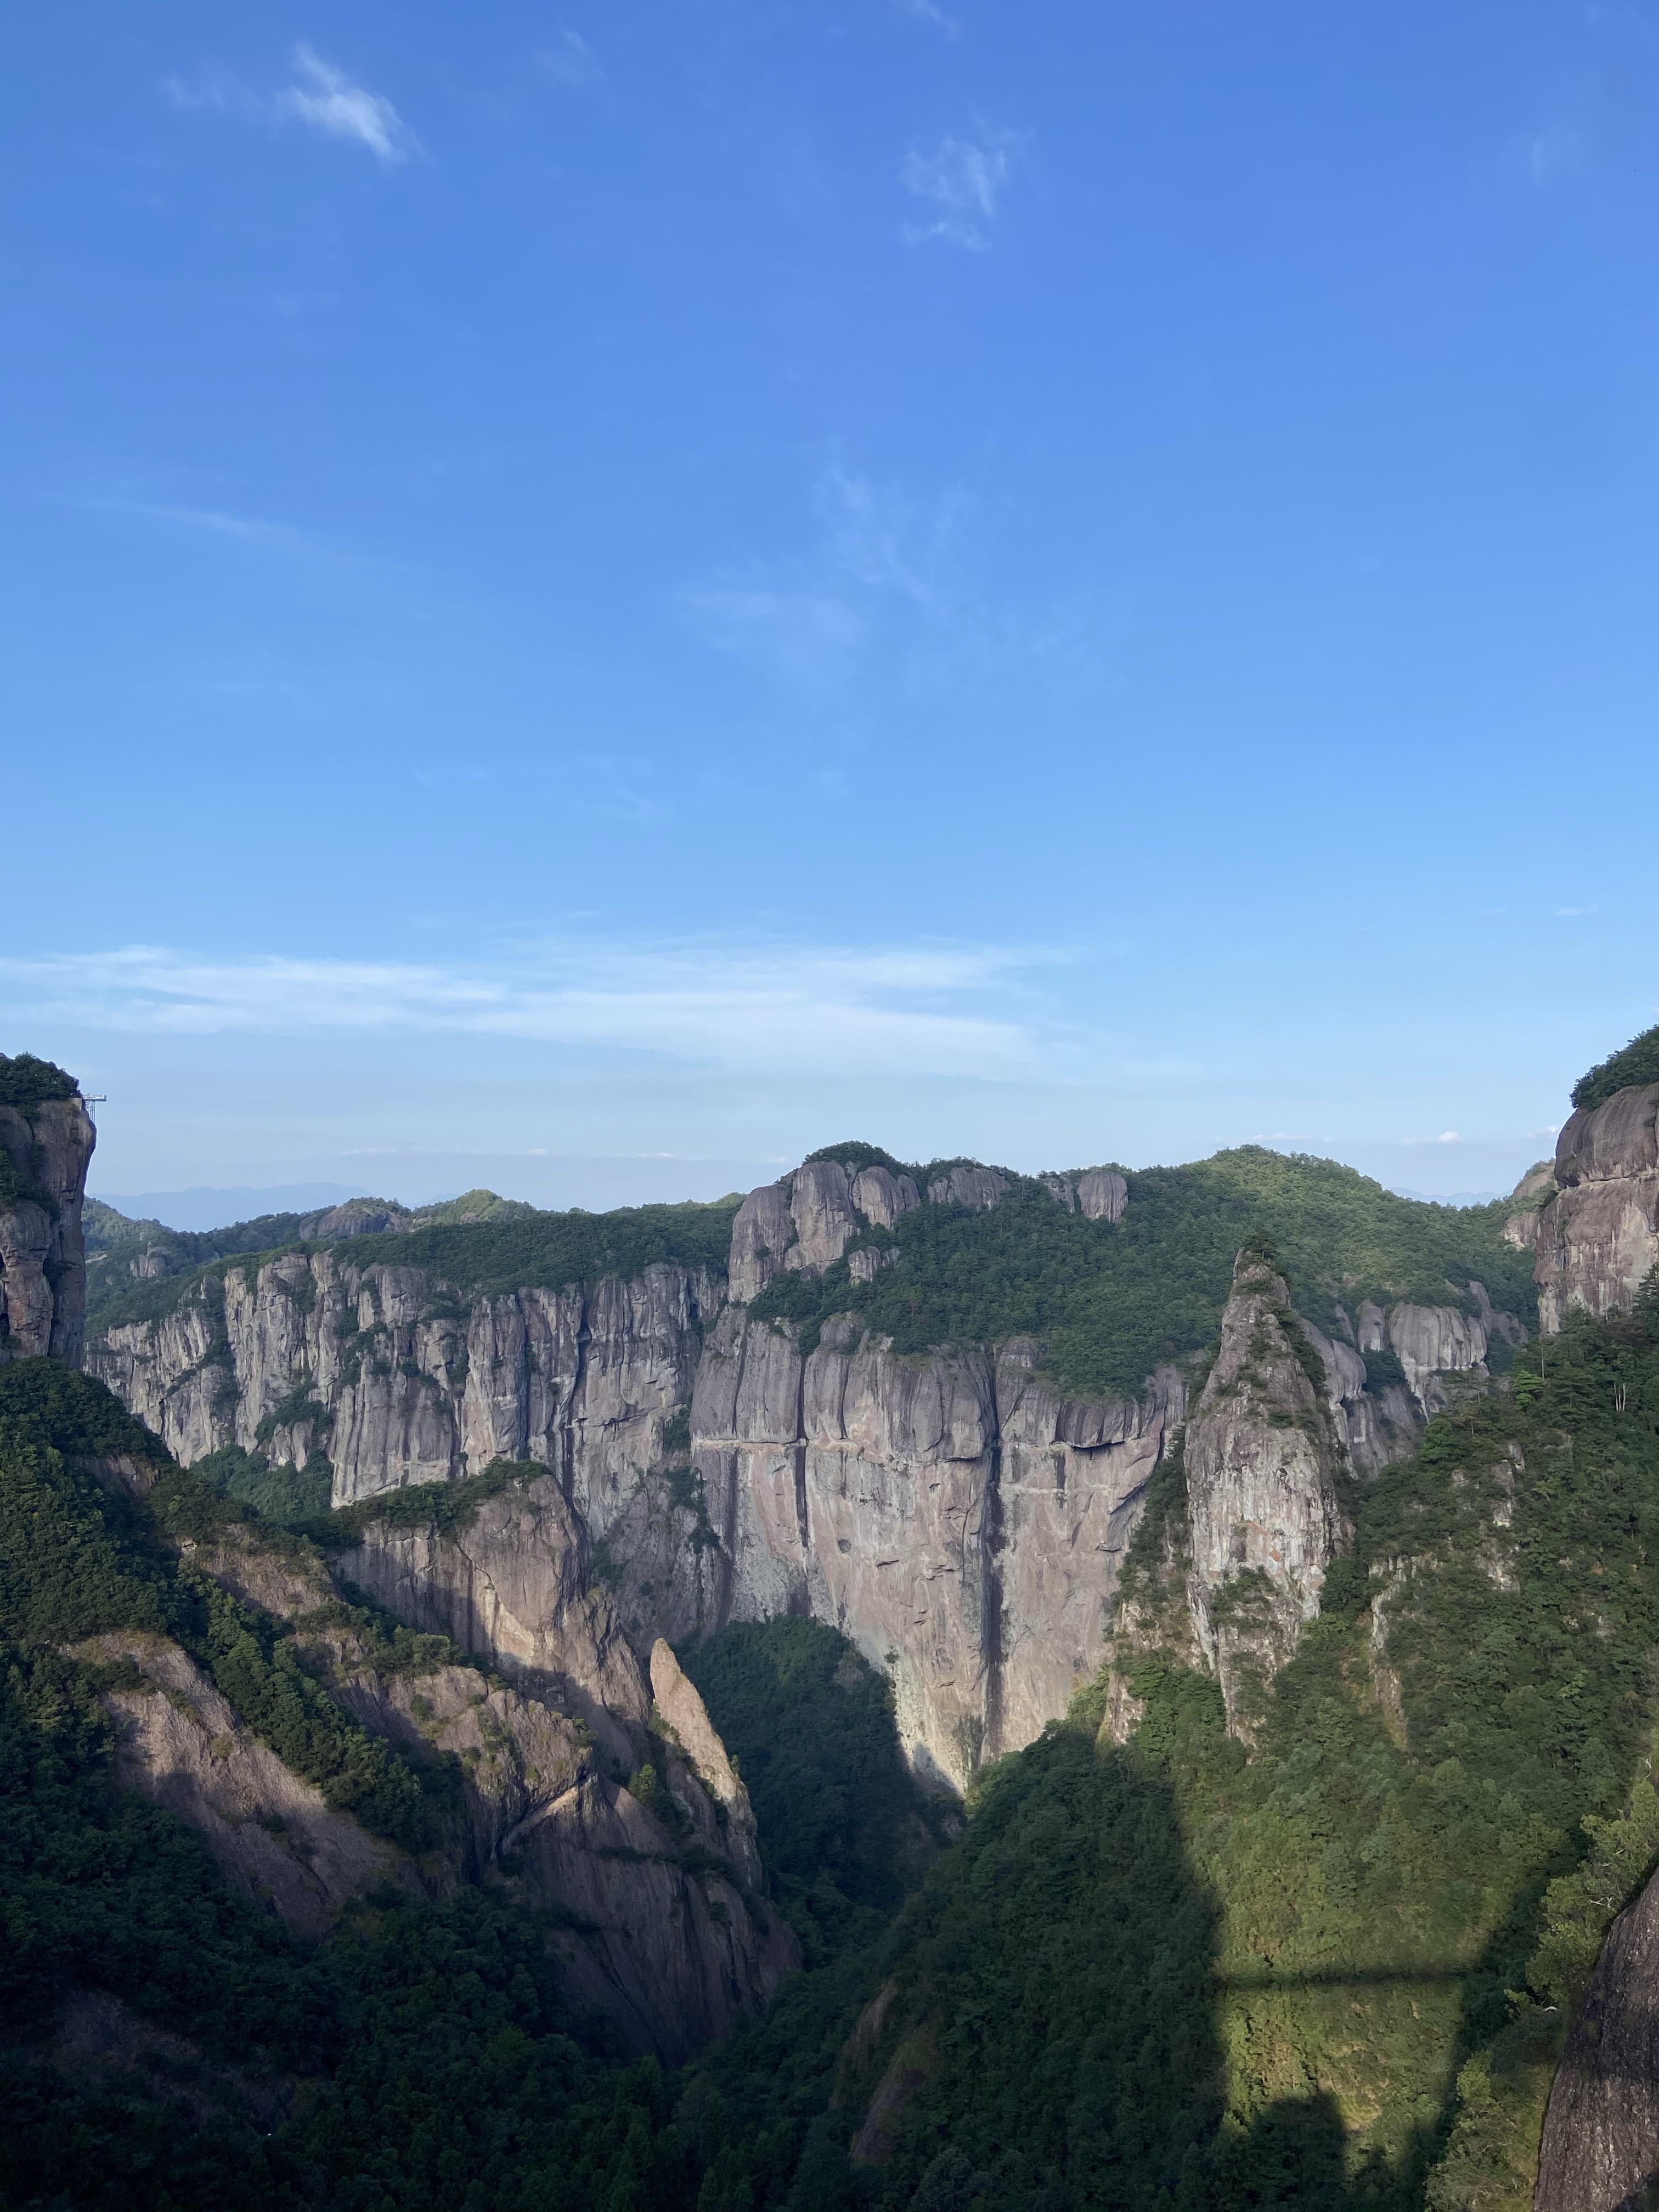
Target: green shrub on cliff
80 1557
27 1082
1635 1062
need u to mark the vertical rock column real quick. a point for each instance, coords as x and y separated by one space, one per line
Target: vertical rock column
44 1152
1261 1456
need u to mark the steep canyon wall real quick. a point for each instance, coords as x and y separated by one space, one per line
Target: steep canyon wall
956 1514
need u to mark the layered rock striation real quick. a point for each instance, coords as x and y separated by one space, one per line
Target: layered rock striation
628 1822
44 1148
1599 2151
956 1514
1262 1452
1593 1225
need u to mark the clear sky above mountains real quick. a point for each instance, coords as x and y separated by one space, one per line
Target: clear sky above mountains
660 585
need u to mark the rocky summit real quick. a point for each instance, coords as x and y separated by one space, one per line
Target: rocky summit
1109 1687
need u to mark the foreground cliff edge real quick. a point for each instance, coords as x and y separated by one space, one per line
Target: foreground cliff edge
1248 1518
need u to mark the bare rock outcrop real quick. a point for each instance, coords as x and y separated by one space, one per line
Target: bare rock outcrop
643 1841
1600 2144
1098 1193
271 1834
1261 1456
1595 1235
680 1709
396 1380
970 1185
43 1153
963 1520
806 1220
513 1588
956 1516
676 1956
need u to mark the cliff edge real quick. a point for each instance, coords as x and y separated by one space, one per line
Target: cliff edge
47 1136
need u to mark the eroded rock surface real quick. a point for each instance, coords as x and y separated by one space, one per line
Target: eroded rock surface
1262 1453
271 1834
956 1516
1600 2144
43 1265
513 1588
399 1382
1596 1235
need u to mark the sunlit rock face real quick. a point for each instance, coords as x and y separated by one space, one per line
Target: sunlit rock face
957 1515
1596 1235
43 1265
1262 1453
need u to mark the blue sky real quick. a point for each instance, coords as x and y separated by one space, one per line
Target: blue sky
592 600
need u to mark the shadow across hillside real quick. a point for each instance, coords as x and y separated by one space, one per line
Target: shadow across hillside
1061 2012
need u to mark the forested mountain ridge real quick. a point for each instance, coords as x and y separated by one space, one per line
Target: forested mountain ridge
921 1403
1297 1899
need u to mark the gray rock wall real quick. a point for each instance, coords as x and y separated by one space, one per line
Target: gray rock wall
1263 1447
956 1516
1596 1235
1600 2144
666 1930
43 1264
398 1381
959 1518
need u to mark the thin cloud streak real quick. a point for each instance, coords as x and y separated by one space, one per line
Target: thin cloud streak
964 179
925 11
916 1010
572 62
322 96
327 99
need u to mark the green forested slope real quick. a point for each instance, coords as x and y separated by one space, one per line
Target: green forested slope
519 1248
1109 1302
1167 1974
1335 1973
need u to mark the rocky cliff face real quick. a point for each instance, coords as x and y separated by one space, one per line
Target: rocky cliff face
271 1834
956 1515
1600 2146
625 1816
1263 1447
398 1381
44 1152
1594 1225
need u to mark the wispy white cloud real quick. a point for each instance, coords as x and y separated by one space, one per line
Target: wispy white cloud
1573 913
809 638
1549 153
571 61
321 96
925 11
327 98
247 529
213 91
891 581
963 180
1446 1137
907 1010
